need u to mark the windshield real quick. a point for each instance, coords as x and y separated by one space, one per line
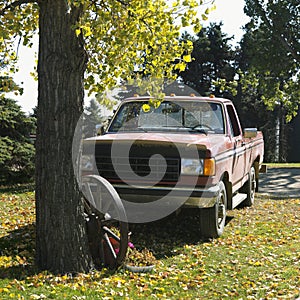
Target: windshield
195 116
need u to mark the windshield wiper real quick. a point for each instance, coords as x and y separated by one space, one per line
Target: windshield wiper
200 130
194 128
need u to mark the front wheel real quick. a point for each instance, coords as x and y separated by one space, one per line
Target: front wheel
212 220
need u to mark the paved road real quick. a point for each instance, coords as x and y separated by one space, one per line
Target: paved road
280 182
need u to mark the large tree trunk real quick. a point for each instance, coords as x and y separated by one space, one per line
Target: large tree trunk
61 241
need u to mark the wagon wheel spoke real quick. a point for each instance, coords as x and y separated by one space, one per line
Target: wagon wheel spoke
111 249
112 234
108 235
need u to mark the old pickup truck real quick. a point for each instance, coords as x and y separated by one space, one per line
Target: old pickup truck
184 151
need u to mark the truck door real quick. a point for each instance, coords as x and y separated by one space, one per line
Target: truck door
238 148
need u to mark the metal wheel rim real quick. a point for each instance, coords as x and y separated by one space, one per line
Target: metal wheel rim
252 185
221 211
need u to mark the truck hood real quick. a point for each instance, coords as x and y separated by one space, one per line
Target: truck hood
210 142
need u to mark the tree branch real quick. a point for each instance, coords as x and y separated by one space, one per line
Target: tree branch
15 4
123 2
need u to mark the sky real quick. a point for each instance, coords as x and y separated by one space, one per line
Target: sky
230 12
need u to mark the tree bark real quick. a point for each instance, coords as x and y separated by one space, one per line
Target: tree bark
61 240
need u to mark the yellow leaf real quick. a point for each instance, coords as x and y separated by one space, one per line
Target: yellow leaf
204 17
180 67
157 104
88 31
187 58
146 108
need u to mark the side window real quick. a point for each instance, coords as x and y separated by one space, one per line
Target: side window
126 117
234 124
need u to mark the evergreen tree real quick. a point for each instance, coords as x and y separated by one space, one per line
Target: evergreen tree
212 60
16 149
93 116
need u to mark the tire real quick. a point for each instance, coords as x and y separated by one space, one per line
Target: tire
249 188
212 220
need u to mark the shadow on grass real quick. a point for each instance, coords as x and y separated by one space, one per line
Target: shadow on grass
164 236
17 253
161 237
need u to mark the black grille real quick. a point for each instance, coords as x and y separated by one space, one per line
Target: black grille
118 167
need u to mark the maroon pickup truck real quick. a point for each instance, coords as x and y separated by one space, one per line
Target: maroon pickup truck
184 151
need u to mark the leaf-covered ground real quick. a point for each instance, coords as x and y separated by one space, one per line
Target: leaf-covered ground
258 257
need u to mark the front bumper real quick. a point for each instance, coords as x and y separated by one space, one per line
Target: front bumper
190 197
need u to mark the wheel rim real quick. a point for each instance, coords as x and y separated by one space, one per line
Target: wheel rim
105 215
252 185
221 211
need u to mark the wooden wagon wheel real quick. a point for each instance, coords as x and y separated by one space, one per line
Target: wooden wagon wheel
106 222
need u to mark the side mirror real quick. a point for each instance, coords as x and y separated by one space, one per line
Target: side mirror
250 132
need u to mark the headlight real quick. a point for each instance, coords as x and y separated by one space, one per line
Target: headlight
192 166
198 167
87 162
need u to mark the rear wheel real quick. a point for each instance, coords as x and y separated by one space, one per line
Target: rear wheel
249 188
212 220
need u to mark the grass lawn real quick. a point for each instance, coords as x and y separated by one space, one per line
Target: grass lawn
258 257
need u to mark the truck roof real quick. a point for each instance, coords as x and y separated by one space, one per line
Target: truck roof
181 98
